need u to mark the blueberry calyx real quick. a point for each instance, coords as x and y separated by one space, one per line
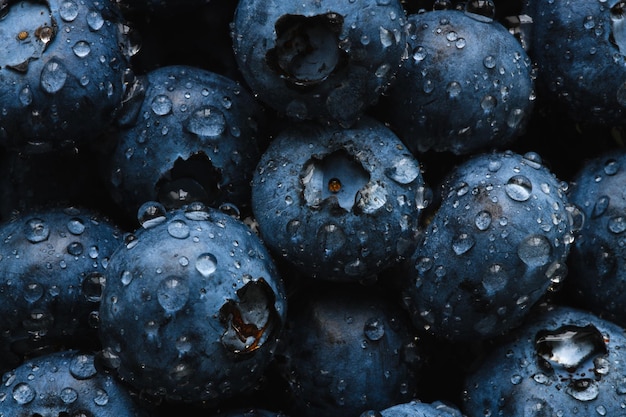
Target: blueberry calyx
307 49
29 28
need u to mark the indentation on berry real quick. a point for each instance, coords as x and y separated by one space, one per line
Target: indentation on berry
28 29
251 319
336 176
307 48
190 180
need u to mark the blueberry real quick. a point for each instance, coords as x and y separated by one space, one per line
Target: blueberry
457 93
66 383
347 348
319 59
191 135
339 204
192 306
562 362
597 280
416 408
579 51
52 269
498 243
64 71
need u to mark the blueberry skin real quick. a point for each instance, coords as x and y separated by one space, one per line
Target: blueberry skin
562 362
579 49
51 279
66 383
192 306
498 243
63 74
324 60
456 92
348 348
416 408
338 204
190 136
598 280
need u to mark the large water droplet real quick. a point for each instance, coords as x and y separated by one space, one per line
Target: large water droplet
535 250
36 230
178 229
53 76
206 264
462 243
570 347
207 123
519 188
172 294
161 105
82 366
374 328
150 214
23 393
483 220
68 10
331 238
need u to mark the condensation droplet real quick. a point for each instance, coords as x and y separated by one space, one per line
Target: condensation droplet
519 188
178 229
161 105
53 77
172 294
206 264
374 329
36 230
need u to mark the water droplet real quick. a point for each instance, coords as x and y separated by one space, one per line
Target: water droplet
374 329
68 10
600 206
495 279
483 220
76 226
387 37
404 171
535 250
33 292
172 294
81 49
488 103
489 62
75 248
53 76
82 366
36 230
26 96
161 105
463 243
518 188
611 167
23 393
583 389
150 214
206 264
208 123
101 397
178 229
617 224
95 20
331 238
570 347
92 286
453 89
516 379
68 395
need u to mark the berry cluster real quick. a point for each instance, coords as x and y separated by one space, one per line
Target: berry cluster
263 208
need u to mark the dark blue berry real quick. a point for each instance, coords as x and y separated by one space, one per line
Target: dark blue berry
597 279
192 307
456 91
416 408
339 204
190 136
52 264
325 60
63 72
495 246
579 50
348 348
562 362
65 384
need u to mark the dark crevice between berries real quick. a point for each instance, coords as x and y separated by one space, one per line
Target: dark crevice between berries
190 180
29 29
335 177
250 320
307 49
